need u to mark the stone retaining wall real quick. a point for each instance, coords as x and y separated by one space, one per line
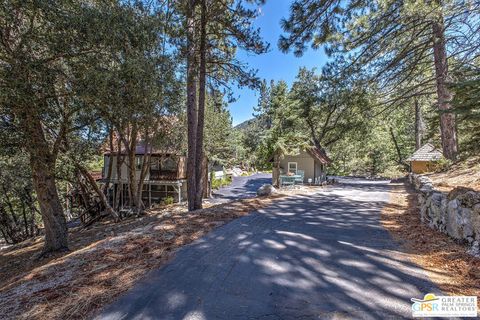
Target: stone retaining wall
456 213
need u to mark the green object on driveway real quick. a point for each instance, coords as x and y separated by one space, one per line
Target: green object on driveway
299 177
286 181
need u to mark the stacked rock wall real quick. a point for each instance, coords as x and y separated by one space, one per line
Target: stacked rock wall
456 213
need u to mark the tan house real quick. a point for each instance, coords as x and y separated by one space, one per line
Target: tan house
425 159
311 162
165 177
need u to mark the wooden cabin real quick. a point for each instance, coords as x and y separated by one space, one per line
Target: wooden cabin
425 159
165 177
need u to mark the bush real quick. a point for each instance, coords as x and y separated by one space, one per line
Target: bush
223 182
441 165
168 200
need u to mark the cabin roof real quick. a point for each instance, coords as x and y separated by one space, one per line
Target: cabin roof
316 153
141 149
319 154
427 152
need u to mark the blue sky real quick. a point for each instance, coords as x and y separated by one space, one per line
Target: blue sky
274 64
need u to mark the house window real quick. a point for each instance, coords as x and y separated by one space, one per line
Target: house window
138 162
169 164
154 163
292 167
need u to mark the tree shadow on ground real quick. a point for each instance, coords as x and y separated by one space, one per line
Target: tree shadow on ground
310 257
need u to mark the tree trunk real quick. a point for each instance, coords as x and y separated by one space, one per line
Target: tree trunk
143 173
399 153
118 164
42 163
447 118
131 146
83 190
25 220
132 184
191 106
110 163
98 191
199 152
276 170
418 125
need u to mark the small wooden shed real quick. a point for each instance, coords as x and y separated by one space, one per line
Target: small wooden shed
425 159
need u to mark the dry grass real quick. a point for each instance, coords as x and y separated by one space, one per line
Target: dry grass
462 174
447 264
105 260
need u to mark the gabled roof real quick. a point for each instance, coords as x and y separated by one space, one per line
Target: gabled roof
141 149
427 152
319 154
316 153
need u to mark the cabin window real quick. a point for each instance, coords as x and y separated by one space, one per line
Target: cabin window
138 162
292 167
169 164
154 163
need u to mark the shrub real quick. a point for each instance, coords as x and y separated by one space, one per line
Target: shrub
168 200
223 182
441 165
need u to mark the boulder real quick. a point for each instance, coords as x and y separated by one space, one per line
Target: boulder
469 198
266 190
474 250
423 213
426 188
476 209
436 198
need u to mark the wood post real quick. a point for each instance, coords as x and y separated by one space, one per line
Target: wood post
149 194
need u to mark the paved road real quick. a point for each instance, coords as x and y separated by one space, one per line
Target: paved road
241 188
325 256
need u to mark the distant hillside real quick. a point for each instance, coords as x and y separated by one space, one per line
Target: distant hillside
245 124
256 124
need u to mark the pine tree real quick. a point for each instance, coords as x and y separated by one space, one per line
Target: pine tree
43 45
394 43
214 30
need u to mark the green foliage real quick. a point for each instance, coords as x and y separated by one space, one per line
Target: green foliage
442 165
168 200
388 41
19 215
328 107
337 115
281 136
249 137
372 151
220 137
467 107
219 183
399 50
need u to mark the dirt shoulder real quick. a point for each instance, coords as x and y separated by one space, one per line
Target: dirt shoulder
105 260
462 174
446 262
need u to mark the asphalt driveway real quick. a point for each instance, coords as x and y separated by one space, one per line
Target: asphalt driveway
324 256
241 188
